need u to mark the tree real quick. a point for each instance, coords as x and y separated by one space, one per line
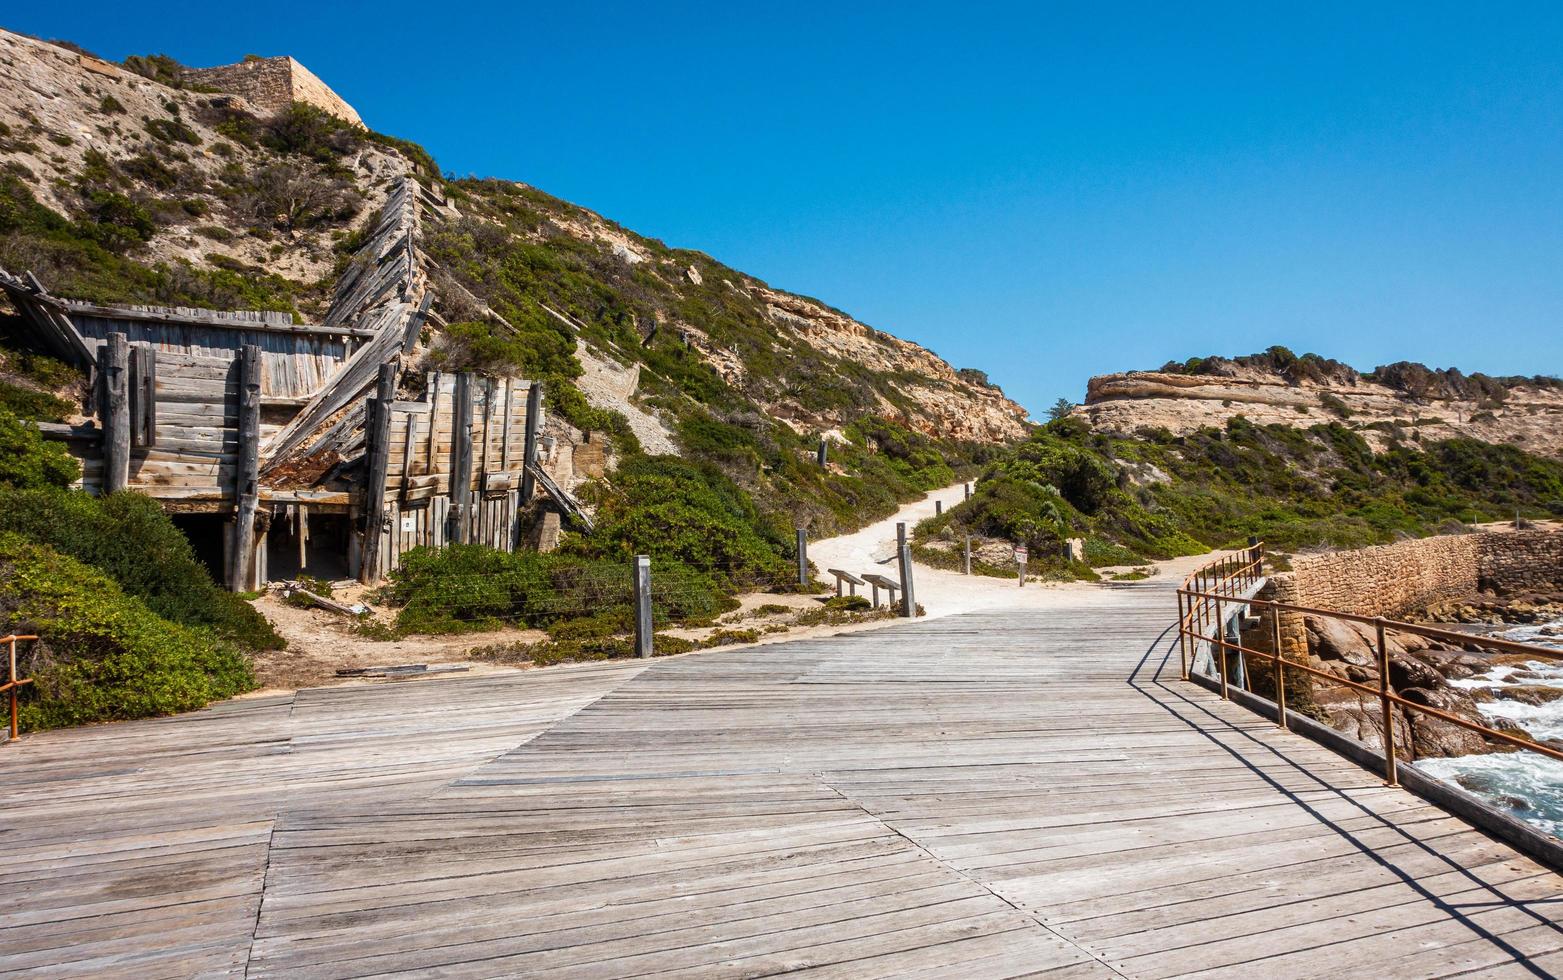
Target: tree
1060 409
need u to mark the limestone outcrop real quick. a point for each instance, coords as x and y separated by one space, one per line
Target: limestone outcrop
1526 415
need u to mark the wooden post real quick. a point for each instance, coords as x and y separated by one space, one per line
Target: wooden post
938 508
461 459
378 461
246 495
1391 776
301 531
114 411
644 630
968 490
534 413
803 558
904 553
966 555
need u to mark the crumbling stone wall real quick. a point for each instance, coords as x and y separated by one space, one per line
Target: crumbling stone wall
1395 579
273 84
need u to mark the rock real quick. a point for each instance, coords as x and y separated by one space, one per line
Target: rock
1074 549
1407 671
1528 694
1435 738
693 274
1334 639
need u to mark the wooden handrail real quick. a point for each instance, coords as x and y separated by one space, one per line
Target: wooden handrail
1206 589
14 683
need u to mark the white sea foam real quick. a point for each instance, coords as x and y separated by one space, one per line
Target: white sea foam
1528 785
1525 784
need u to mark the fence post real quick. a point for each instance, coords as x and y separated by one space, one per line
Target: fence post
803 558
1280 667
1391 777
938 508
904 553
967 487
967 555
15 731
1183 636
643 625
1221 649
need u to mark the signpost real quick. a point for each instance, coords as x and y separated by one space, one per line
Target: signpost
1020 563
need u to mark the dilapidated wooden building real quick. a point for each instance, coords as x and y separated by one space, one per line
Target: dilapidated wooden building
282 446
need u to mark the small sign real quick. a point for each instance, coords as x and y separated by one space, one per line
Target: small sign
409 525
1020 554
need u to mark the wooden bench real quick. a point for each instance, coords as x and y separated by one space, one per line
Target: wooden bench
882 582
852 581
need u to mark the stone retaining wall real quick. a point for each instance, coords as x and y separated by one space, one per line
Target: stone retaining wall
1395 579
273 84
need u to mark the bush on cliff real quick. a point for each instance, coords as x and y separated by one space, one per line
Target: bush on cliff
103 655
1162 495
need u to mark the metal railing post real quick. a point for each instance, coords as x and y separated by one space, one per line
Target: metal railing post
1183 632
15 730
1280 667
1221 650
1391 776
644 632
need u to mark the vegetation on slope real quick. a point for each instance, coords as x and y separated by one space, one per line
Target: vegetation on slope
132 623
1160 496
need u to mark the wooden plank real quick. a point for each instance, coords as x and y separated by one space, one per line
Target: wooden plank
461 460
534 414
376 534
206 318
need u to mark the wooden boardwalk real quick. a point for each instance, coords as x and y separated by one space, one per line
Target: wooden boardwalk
991 795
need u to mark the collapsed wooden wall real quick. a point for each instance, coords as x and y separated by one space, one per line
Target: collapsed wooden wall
423 503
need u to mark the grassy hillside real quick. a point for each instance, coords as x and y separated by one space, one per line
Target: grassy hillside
1161 496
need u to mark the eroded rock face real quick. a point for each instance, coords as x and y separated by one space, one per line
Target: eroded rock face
1419 671
1120 404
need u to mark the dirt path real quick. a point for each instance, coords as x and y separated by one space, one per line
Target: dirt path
940 592
320 643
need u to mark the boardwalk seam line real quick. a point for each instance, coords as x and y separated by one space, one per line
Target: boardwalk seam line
1025 913
260 898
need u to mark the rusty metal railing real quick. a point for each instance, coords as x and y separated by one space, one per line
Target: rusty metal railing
13 683
1209 591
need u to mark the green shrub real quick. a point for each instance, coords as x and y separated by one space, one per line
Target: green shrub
104 655
689 514
35 406
469 588
27 460
129 538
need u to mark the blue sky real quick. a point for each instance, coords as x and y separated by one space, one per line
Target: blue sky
1043 191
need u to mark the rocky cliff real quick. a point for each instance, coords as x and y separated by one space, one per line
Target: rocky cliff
1394 403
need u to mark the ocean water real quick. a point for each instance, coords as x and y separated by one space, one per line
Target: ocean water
1524 784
